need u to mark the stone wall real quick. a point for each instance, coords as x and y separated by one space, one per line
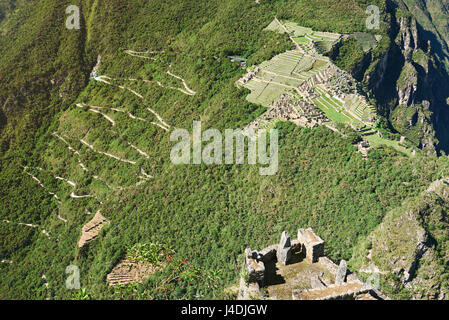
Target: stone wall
311 247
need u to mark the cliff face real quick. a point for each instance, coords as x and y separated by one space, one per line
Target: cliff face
410 83
410 247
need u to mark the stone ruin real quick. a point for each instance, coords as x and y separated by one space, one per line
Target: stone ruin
250 75
299 112
306 88
343 83
363 147
308 252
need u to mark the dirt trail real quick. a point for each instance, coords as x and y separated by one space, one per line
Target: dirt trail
163 126
31 226
159 118
73 195
73 150
96 111
44 277
106 154
130 115
143 153
62 219
80 163
101 79
66 180
85 168
51 193
146 174
189 91
54 176
6 261
41 185
298 47
138 54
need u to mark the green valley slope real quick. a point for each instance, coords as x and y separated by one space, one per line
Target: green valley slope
73 145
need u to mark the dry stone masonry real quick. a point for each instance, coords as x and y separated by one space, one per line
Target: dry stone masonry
332 282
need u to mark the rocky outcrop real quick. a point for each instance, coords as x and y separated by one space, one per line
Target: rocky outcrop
410 76
407 245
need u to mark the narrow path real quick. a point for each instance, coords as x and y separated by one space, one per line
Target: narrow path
79 105
67 181
130 115
73 195
173 88
190 91
164 125
298 47
6 261
85 168
143 153
145 174
73 150
106 154
79 160
51 193
31 226
62 219
41 185
138 54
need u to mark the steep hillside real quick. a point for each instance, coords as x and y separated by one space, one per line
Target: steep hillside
432 16
409 80
85 124
410 247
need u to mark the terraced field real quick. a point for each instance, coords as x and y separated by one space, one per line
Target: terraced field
306 38
334 110
360 108
282 73
289 70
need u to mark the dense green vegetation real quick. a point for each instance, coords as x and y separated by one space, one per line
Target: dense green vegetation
207 214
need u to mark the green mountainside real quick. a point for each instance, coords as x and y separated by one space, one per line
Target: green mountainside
74 144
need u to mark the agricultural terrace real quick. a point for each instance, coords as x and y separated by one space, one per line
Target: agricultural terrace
306 38
287 71
282 73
